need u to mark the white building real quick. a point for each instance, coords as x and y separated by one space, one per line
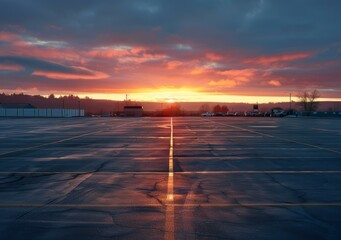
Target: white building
27 110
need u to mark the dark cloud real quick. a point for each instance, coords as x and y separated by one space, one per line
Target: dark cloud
35 64
51 70
264 24
122 40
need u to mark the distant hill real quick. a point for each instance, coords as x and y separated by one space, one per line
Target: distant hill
95 106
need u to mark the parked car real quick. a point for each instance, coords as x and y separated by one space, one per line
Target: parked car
219 114
279 114
207 114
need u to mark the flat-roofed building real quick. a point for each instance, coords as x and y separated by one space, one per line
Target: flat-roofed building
133 111
16 105
28 110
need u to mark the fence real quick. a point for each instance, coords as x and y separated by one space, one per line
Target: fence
40 112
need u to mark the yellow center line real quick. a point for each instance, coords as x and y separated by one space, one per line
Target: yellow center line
171 174
169 223
173 205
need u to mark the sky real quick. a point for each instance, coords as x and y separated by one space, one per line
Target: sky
175 50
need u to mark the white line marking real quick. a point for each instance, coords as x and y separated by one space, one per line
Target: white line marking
169 223
280 138
182 158
263 126
326 130
262 172
58 141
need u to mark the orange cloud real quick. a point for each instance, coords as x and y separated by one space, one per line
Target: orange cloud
146 57
213 56
108 53
275 83
223 83
11 67
173 64
279 58
234 77
126 54
21 48
7 37
80 73
240 75
199 70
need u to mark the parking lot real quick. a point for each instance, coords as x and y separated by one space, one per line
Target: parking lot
170 178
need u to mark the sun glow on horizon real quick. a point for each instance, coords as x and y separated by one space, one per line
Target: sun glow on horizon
182 95
171 100
172 95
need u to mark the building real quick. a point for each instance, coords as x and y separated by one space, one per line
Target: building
255 108
28 110
16 105
133 111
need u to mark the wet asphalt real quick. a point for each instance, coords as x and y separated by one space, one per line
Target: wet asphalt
134 178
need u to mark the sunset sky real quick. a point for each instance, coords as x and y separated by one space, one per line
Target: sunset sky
203 50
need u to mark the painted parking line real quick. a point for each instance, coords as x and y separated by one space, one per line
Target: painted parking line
91 223
313 204
169 222
326 130
225 158
85 147
259 172
170 184
173 205
276 137
59 141
89 172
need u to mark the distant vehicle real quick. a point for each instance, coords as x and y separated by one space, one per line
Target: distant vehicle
258 114
250 114
237 114
207 114
279 114
219 114
230 114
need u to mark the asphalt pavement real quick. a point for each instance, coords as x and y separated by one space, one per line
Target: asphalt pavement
170 178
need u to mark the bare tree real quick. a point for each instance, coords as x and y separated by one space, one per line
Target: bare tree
217 108
308 100
224 109
204 108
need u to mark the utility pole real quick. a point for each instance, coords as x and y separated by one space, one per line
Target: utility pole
126 99
290 101
63 107
79 108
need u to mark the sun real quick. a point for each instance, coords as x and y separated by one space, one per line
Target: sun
171 100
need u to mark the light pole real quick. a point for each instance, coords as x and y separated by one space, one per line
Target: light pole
63 107
79 108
